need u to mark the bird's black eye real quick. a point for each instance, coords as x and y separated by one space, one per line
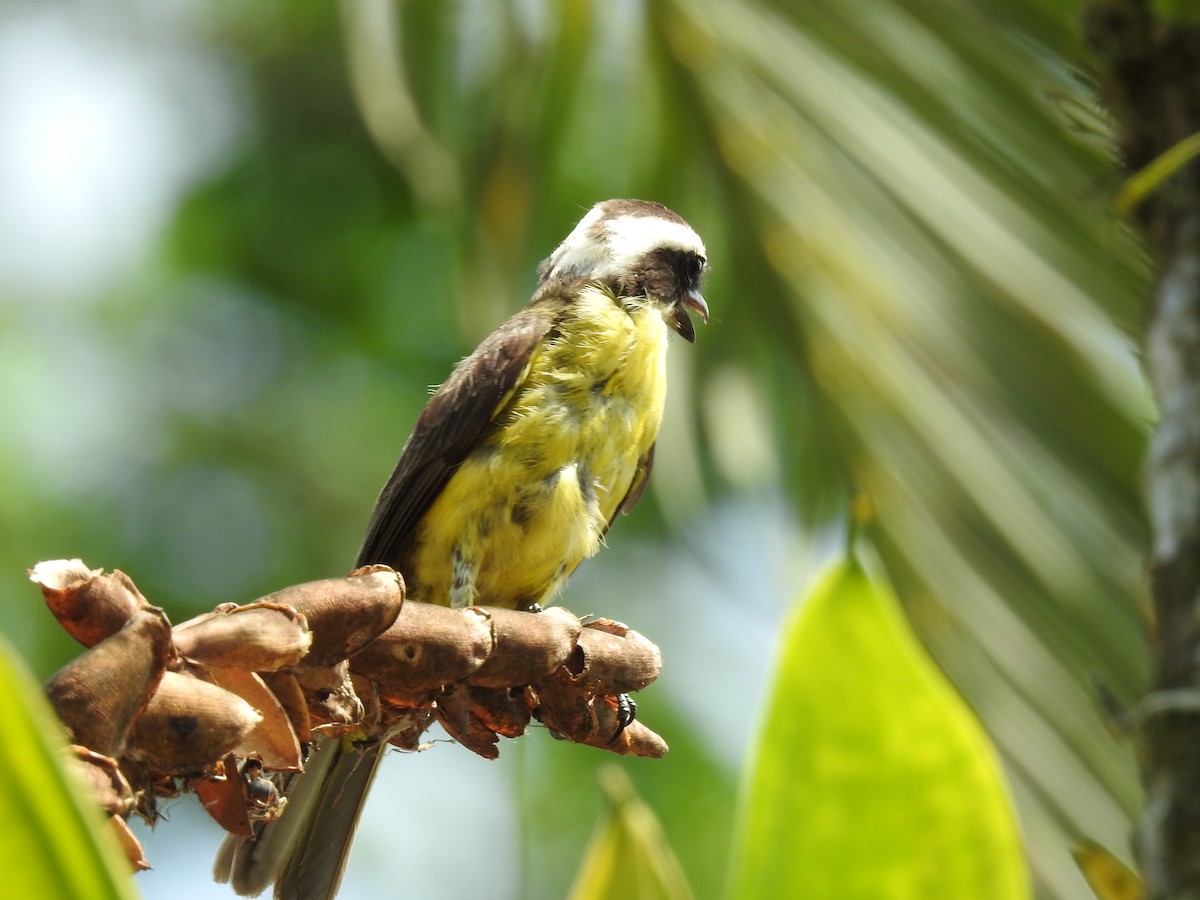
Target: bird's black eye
695 267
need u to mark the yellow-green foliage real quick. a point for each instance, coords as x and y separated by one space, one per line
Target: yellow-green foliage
873 779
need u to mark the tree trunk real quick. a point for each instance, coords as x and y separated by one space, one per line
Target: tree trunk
1150 79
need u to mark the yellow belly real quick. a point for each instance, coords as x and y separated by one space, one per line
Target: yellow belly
533 500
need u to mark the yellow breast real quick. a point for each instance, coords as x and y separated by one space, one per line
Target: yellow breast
534 499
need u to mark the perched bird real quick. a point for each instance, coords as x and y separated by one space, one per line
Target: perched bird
513 473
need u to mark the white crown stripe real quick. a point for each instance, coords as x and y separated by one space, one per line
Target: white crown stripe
632 237
624 240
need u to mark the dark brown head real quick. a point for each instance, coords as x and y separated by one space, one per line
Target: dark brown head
641 249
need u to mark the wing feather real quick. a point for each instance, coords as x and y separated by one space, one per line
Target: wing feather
640 478
448 428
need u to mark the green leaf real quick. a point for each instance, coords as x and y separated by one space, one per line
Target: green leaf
873 779
56 842
628 857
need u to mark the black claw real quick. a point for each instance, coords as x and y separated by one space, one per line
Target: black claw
626 711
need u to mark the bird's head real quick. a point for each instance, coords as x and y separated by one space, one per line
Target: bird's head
640 249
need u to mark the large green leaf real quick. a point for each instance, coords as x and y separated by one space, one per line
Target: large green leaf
873 779
56 843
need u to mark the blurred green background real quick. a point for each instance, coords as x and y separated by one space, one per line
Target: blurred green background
238 241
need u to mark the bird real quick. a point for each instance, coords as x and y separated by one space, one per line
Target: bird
512 475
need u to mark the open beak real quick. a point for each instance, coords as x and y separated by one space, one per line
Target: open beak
682 322
693 300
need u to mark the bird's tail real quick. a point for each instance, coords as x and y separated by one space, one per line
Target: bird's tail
304 851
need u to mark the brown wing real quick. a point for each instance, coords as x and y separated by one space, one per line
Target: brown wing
640 478
446 431
636 488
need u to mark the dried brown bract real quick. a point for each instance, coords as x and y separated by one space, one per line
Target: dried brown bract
330 695
290 696
188 725
273 738
614 659
427 647
455 714
527 646
345 614
505 711
223 796
226 705
100 694
104 775
258 637
597 721
131 846
87 603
